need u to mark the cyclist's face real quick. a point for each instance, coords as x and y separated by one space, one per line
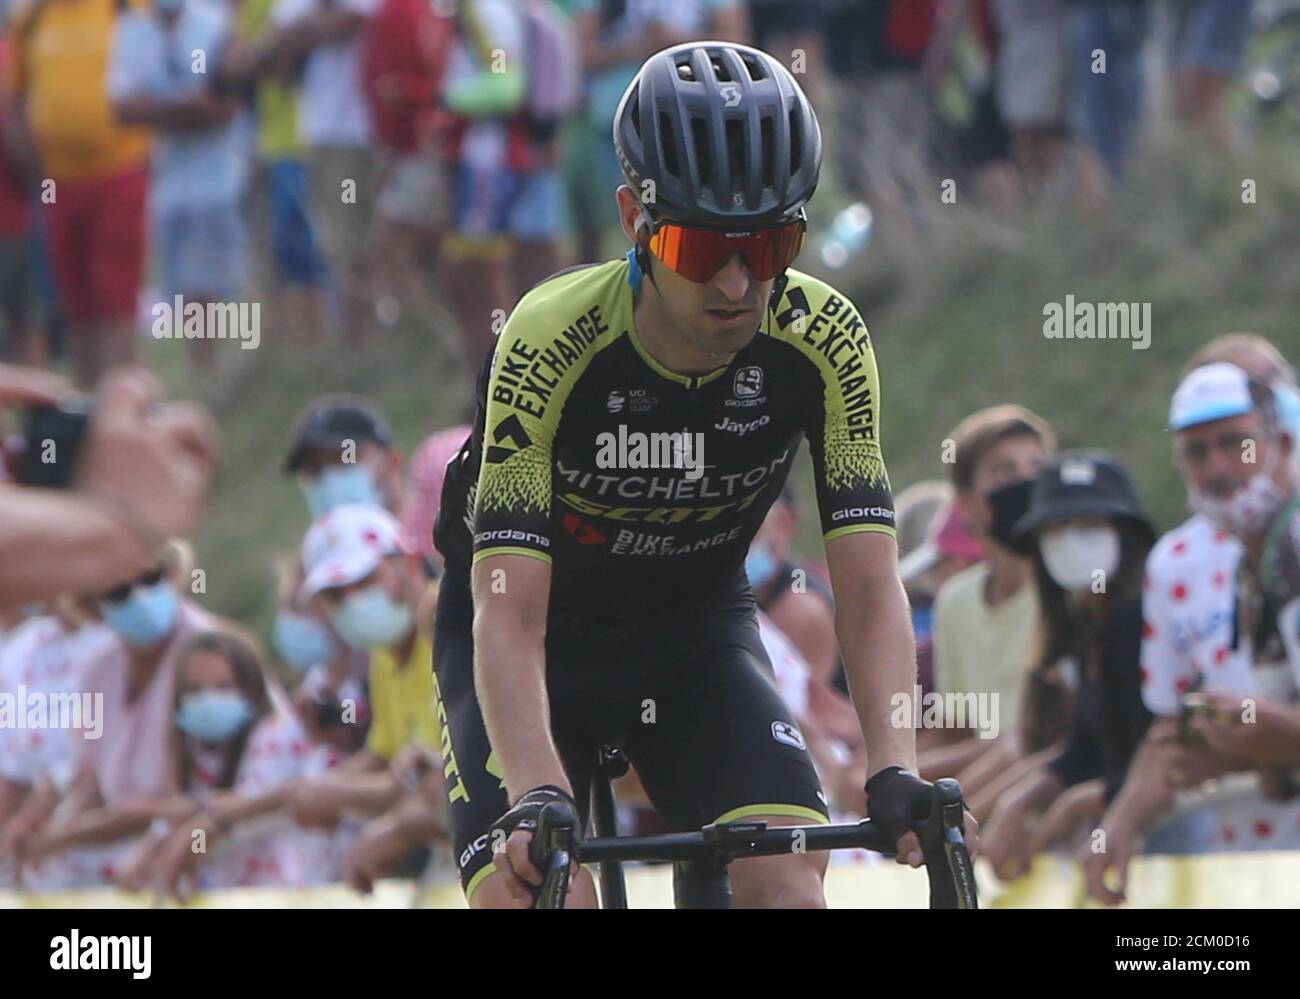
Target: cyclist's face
720 316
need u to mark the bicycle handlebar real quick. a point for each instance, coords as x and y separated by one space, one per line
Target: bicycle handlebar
947 861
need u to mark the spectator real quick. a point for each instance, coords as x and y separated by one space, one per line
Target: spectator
1030 84
1090 542
165 62
343 453
403 63
300 272
375 593
1105 107
45 654
1191 644
947 549
1206 46
18 339
92 172
235 748
882 108
614 40
142 472
794 32
423 499
322 41
507 195
137 676
985 617
798 601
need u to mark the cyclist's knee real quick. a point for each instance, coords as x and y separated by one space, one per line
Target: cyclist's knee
791 881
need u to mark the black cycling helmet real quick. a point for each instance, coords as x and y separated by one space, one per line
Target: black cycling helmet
724 132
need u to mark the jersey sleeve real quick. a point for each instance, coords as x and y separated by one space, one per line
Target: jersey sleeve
843 426
541 352
1165 672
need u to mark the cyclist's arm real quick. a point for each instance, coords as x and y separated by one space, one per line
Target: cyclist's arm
511 594
875 631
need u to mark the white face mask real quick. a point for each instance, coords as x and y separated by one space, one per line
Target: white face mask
1073 555
1247 511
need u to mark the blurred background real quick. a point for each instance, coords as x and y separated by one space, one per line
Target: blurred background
382 179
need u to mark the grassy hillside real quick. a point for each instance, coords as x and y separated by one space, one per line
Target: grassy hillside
960 329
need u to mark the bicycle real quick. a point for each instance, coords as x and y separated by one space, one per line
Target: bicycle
700 859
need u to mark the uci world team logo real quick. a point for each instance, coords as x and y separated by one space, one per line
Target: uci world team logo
748 383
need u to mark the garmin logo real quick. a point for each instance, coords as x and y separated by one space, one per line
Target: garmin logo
736 427
634 449
95 953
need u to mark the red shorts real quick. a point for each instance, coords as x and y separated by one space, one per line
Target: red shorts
96 243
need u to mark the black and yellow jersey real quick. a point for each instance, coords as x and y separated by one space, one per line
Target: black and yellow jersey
643 487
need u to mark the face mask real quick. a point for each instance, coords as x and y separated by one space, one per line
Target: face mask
1288 408
372 618
1008 503
760 566
214 715
1073 555
340 484
1247 511
145 617
301 641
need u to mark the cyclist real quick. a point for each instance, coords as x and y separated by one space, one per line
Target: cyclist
635 423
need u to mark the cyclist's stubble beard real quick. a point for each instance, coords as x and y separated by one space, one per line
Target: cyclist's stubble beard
678 309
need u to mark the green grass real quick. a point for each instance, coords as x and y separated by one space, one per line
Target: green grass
960 329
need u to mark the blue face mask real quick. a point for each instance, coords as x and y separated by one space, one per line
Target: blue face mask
145 617
760 566
341 484
371 618
214 715
1287 399
301 641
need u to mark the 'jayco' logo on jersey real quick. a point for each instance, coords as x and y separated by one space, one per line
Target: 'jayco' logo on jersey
642 450
731 426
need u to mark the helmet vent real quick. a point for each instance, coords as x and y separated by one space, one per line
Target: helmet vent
796 141
755 68
668 143
768 144
721 70
735 156
700 140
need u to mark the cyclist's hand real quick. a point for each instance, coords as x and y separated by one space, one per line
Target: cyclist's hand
897 799
511 835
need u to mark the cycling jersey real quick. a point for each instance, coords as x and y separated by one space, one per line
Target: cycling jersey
644 487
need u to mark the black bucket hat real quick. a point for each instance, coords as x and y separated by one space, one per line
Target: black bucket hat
332 419
1080 484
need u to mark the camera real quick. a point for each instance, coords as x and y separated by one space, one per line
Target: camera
52 438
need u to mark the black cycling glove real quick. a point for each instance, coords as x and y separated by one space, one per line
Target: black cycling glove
897 800
523 814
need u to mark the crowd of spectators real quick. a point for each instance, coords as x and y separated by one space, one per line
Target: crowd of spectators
356 161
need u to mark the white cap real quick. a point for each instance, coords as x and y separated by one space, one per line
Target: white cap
1208 393
347 544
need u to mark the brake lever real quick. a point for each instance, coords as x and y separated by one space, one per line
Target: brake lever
947 861
551 851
